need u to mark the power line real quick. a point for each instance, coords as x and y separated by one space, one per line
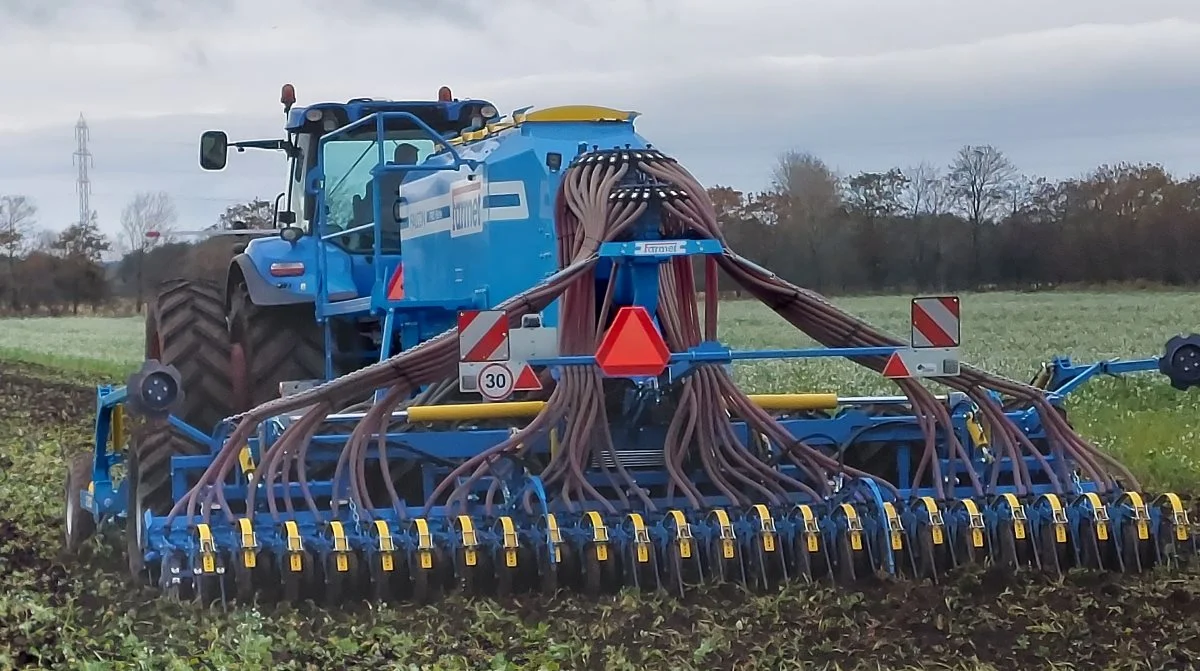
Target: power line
82 158
207 199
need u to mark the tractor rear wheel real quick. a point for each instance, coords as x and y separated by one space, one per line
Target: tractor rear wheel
185 328
270 345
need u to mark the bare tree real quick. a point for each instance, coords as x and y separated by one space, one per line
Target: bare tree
145 221
979 178
1020 193
17 219
808 196
926 191
938 197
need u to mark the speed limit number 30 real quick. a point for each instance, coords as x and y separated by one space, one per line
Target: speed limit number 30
496 382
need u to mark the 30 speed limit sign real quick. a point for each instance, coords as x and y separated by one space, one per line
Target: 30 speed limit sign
496 382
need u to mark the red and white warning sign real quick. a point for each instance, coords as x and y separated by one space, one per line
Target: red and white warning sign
528 342
935 321
929 362
482 336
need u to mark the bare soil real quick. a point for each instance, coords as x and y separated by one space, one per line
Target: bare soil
58 612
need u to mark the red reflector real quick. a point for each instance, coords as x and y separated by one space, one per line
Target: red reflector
527 380
632 346
395 287
287 269
895 367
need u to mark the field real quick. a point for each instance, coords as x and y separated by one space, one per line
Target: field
60 612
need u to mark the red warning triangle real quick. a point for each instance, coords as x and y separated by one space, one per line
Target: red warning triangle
527 380
895 367
632 346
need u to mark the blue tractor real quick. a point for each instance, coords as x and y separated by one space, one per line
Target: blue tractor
474 354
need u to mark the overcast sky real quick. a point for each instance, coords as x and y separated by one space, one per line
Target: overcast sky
1060 85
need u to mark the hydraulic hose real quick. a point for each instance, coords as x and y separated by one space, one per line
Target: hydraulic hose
599 201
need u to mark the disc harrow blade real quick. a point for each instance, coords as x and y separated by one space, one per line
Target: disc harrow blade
762 548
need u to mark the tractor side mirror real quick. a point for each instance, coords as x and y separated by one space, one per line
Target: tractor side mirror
286 217
214 149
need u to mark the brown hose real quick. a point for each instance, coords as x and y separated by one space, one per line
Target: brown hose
700 434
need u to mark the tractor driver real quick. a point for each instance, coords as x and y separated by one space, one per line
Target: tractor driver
363 205
405 154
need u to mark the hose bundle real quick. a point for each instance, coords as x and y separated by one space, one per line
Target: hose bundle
591 210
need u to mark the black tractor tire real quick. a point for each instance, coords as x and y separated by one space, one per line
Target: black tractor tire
185 328
188 318
272 344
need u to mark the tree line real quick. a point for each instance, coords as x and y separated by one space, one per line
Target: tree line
55 273
49 271
975 223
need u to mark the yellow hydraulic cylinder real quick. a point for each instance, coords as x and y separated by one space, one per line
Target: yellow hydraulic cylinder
474 411
795 401
468 411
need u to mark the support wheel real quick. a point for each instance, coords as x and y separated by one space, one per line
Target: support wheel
600 576
428 579
80 524
135 532
389 571
1051 551
1007 555
212 588
844 560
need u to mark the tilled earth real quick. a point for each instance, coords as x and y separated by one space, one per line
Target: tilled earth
81 613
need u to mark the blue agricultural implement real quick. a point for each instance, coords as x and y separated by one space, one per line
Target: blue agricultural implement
480 353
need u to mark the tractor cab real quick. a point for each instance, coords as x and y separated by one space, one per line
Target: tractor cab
338 241
341 165
332 149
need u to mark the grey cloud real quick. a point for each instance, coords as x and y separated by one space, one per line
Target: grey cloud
1055 135
865 84
195 53
143 14
37 13
467 15
172 14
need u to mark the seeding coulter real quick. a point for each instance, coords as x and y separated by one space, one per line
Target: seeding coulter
474 355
